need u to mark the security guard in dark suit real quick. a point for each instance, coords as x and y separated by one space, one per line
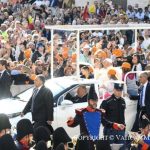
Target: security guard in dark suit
115 110
143 106
5 80
40 104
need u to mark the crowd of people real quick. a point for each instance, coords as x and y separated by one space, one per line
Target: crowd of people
25 58
97 13
24 40
26 137
65 53
25 44
102 49
66 13
110 55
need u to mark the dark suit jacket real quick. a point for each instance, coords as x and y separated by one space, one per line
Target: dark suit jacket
43 106
5 83
147 99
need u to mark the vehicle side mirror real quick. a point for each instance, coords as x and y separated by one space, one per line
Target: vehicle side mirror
66 103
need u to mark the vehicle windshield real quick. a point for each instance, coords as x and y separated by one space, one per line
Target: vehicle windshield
55 85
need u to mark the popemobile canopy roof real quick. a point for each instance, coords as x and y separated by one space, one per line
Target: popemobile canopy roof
99 27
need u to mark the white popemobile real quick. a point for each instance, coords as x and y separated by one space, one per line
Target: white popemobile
63 108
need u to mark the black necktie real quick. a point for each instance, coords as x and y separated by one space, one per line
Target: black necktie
141 95
135 70
33 98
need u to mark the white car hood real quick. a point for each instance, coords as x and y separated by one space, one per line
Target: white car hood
9 106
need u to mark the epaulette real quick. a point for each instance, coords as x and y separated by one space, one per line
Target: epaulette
79 111
101 110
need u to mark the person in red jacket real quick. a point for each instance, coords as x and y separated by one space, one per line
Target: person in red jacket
90 119
85 13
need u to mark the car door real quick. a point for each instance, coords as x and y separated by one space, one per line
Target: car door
130 112
66 108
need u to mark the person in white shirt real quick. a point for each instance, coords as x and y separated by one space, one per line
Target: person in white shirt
145 44
102 74
130 12
42 2
97 34
84 56
140 14
146 14
136 65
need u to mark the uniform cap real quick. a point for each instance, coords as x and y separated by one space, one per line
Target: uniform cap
24 127
41 145
92 94
60 136
118 86
4 122
60 147
7 143
42 133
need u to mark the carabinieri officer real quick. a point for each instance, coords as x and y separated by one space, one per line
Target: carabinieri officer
115 112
